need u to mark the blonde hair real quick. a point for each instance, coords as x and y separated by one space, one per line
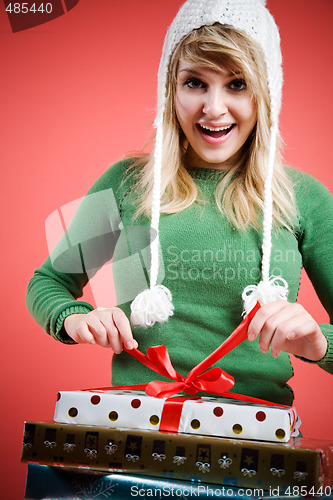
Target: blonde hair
240 191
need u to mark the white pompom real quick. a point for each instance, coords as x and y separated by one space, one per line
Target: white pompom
265 292
263 2
152 305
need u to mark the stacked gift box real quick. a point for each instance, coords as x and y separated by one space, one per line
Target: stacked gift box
237 443
184 456
217 441
54 482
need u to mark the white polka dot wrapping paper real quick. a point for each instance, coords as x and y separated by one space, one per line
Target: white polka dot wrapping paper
159 407
221 417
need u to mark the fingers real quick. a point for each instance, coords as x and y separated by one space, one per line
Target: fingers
297 327
98 326
84 336
107 327
123 326
266 321
278 325
77 328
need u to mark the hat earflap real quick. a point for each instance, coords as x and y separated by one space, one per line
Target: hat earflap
155 303
270 288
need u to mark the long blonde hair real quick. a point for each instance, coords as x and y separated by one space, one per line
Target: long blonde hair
240 191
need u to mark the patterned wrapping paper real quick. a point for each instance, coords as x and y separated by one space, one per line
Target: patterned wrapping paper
58 482
213 460
205 416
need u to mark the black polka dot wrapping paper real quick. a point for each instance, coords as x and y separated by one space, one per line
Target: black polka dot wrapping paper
209 416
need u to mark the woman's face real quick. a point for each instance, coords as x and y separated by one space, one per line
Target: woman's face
216 113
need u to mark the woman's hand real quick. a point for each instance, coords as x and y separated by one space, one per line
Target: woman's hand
283 326
107 327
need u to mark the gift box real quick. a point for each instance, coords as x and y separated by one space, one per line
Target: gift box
160 408
202 415
54 482
220 461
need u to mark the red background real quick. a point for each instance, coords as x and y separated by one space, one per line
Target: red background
76 94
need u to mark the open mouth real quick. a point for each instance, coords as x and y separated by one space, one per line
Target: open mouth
215 132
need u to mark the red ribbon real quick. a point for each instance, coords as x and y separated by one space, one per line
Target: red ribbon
172 412
200 378
214 380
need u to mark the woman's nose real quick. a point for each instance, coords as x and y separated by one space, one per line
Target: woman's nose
215 103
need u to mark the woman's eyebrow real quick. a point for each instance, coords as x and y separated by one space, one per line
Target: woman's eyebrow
197 73
190 70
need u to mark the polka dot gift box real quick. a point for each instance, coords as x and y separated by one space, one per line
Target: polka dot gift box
160 408
198 415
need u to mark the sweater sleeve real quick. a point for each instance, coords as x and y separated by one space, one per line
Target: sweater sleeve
315 208
86 245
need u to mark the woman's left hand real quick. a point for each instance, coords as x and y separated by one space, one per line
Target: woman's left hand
283 326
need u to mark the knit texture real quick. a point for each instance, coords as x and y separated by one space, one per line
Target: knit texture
206 269
249 16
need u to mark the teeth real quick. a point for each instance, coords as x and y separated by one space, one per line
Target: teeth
215 129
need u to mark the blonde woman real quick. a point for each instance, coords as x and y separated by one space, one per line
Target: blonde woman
207 225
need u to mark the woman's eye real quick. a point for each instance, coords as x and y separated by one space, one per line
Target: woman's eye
194 83
239 84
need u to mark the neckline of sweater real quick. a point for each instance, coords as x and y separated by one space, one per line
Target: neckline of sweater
205 173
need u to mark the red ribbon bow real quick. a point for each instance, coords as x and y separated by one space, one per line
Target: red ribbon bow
200 378
157 358
214 380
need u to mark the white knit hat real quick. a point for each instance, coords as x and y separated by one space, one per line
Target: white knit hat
251 17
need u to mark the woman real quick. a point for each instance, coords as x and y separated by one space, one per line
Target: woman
227 221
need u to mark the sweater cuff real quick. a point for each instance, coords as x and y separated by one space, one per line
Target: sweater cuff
59 331
327 331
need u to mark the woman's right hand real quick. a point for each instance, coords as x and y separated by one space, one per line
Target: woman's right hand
107 327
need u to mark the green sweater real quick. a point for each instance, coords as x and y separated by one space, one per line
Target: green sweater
206 264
